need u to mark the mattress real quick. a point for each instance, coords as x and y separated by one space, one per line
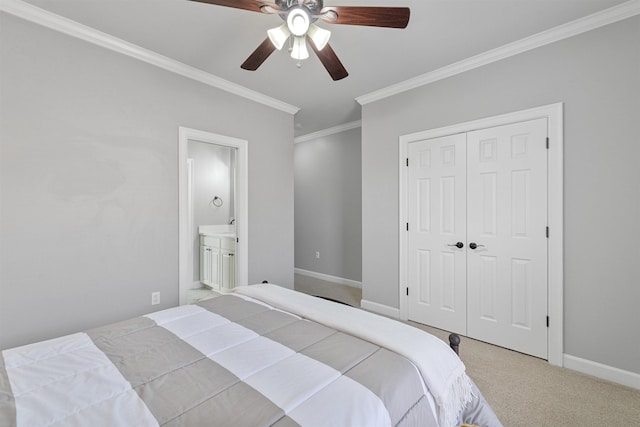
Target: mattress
265 356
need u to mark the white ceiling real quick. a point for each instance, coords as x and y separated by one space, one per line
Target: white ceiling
218 39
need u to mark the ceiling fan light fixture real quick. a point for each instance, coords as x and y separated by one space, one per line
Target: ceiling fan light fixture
319 36
299 50
279 35
300 16
298 21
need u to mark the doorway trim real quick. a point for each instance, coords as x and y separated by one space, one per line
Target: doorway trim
185 267
555 283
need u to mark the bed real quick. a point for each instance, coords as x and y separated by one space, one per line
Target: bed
263 356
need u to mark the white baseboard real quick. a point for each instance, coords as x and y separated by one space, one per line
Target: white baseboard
328 278
375 307
605 372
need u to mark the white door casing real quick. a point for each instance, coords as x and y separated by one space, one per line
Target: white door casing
553 114
437 271
185 265
507 220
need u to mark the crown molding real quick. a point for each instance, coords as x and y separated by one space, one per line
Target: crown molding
328 131
561 32
72 28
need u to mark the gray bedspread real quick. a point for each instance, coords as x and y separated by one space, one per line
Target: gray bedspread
227 361
224 362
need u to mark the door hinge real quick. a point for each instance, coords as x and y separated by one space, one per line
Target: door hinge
407 162
547 143
237 240
407 291
407 226
547 321
547 232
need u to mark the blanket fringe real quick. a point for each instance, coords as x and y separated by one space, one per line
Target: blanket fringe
459 396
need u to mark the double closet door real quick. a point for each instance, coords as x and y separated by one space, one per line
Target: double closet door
477 244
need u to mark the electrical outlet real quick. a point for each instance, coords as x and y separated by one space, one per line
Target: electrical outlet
317 255
155 298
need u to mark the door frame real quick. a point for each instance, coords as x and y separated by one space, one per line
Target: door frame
554 115
185 245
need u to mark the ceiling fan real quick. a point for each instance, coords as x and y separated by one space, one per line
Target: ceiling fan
300 28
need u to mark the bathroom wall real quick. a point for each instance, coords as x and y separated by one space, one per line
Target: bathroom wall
212 176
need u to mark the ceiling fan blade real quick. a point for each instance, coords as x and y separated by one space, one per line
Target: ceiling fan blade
259 55
330 61
252 5
370 16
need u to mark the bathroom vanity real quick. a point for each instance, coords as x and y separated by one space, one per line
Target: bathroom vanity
217 257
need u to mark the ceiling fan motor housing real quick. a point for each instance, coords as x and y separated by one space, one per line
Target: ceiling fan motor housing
312 7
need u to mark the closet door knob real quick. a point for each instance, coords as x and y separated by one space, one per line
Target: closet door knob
458 245
474 245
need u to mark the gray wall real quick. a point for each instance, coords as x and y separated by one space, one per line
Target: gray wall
89 182
597 76
328 205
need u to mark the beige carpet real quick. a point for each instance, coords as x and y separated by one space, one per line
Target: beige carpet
523 390
526 391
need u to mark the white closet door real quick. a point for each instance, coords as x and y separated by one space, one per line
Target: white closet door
507 219
437 221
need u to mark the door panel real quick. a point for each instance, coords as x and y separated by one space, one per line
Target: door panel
487 282
424 205
437 219
507 218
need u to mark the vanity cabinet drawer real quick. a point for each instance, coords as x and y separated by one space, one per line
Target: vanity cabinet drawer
210 241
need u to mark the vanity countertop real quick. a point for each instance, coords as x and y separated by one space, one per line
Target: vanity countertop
217 230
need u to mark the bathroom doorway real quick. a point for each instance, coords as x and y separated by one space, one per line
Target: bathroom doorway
213 203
